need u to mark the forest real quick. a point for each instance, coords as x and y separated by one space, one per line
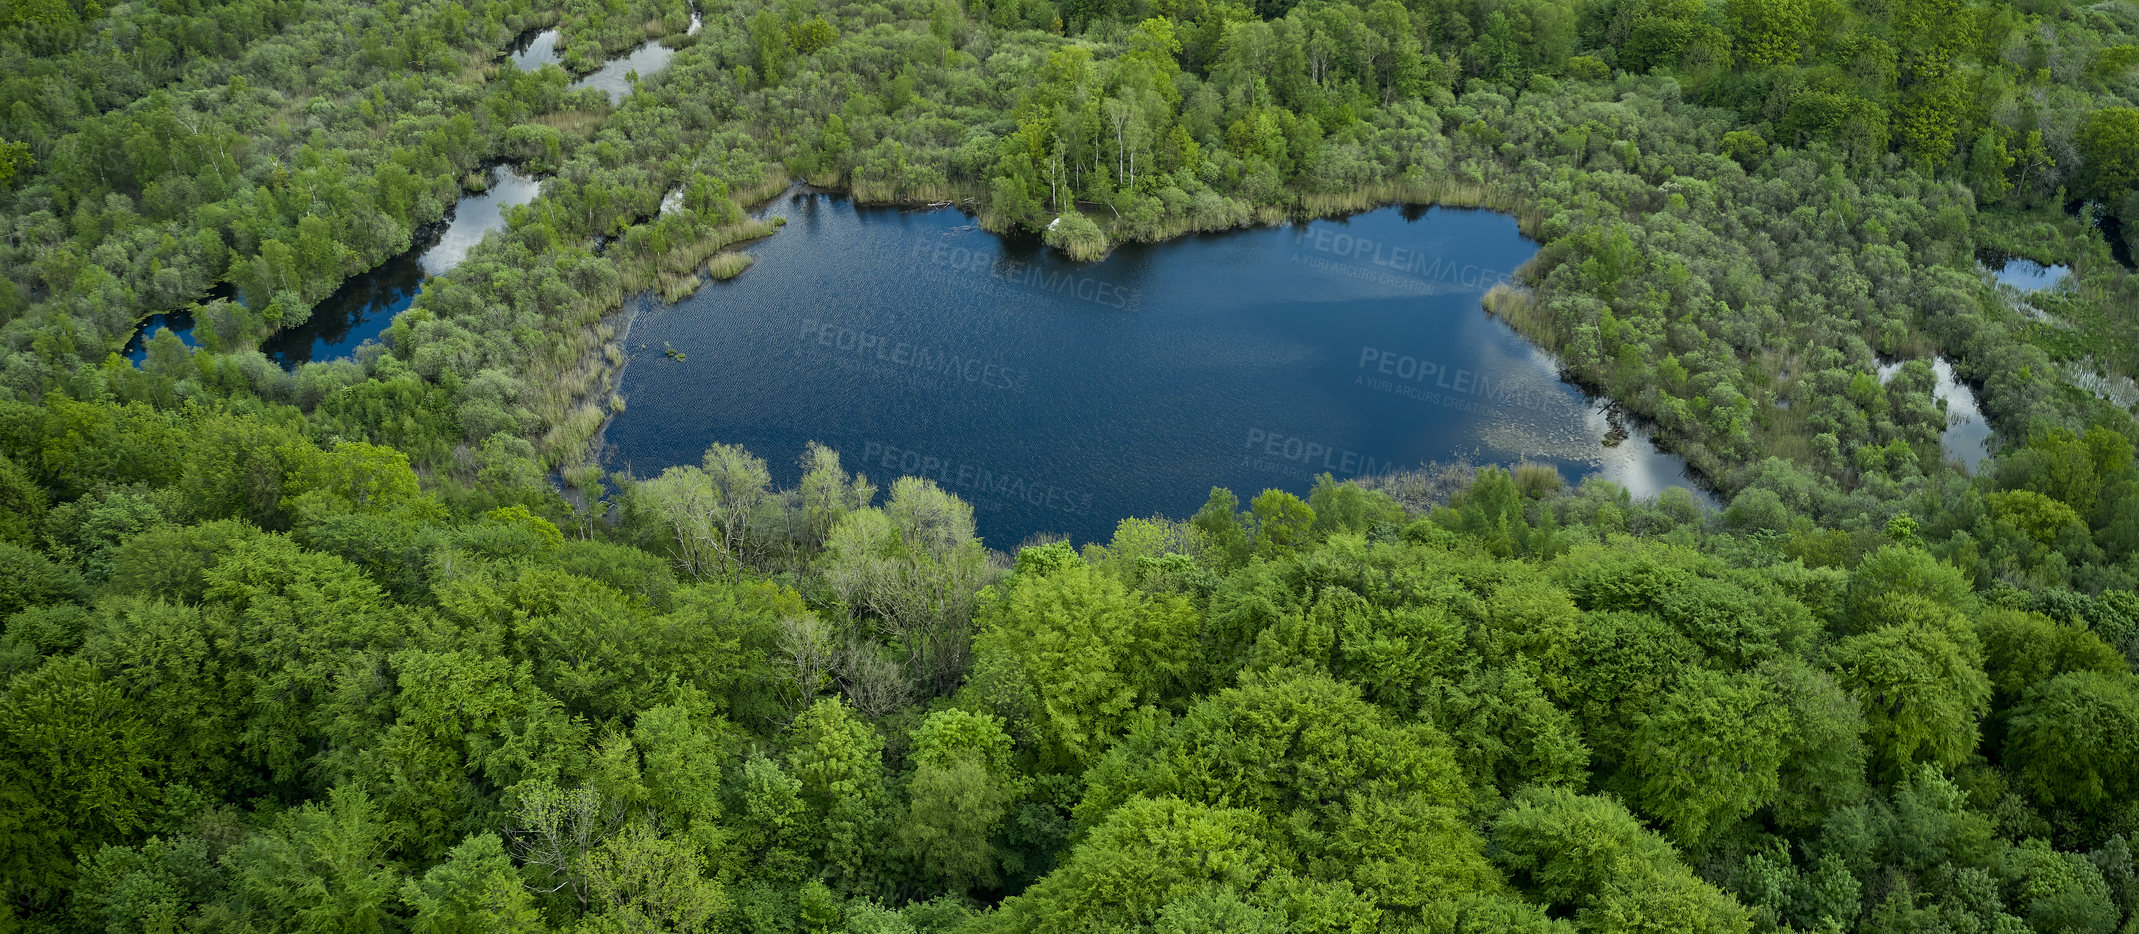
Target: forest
380 645
257 681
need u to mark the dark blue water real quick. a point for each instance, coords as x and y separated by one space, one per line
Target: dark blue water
365 304
1063 397
177 322
361 310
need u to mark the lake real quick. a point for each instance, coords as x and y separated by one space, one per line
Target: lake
1061 397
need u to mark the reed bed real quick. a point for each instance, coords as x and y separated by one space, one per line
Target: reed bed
1520 308
676 288
725 266
1447 192
663 272
1536 479
580 123
1423 488
776 180
905 192
1084 251
1224 213
578 381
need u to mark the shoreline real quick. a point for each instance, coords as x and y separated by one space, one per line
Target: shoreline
613 402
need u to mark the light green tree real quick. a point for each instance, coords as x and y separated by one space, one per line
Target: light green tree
1590 855
324 867
838 760
1922 689
1770 32
476 890
1072 652
963 785
1708 754
2074 737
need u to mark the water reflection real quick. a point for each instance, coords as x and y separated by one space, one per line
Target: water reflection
1967 435
536 51
479 214
365 306
614 77
2026 275
359 311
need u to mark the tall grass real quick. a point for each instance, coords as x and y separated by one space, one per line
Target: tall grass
1536 479
776 181
577 377
724 266
580 123
676 288
1447 192
682 258
1425 487
1084 248
903 192
1520 308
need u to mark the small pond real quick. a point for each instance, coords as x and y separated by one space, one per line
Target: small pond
1059 397
177 322
2026 275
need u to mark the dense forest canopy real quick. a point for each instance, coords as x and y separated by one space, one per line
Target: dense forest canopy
377 645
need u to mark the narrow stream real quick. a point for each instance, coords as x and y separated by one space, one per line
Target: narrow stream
366 304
